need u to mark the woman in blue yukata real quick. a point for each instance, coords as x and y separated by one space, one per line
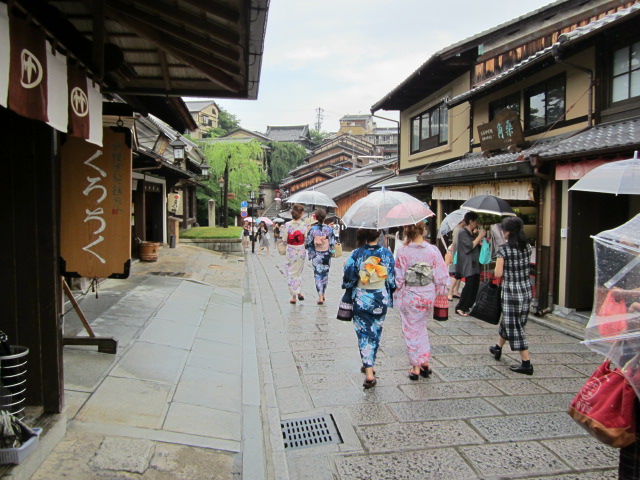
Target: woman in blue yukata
369 276
319 245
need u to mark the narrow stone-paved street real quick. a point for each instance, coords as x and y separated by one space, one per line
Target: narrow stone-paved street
473 418
210 366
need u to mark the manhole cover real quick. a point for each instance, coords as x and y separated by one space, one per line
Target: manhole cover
309 432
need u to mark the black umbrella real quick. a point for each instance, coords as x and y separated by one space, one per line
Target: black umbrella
488 204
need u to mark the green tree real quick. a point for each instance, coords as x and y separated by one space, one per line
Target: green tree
284 157
317 137
246 172
227 122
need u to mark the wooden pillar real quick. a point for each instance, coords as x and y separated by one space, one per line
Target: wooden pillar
30 255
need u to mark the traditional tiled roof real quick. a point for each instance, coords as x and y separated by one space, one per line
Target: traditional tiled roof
197 105
618 135
477 159
343 185
294 133
564 40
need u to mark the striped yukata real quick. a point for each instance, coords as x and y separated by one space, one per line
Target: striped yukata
516 295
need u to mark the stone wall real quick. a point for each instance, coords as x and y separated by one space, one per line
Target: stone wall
229 245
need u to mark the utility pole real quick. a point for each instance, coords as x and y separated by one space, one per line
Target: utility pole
320 111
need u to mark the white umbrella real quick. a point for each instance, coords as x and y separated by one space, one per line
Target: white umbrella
386 209
450 221
312 197
622 177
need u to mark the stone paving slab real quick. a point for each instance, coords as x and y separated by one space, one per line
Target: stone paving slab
149 361
442 409
209 388
553 402
469 373
408 436
370 414
447 390
513 460
203 421
561 385
356 394
126 401
527 427
83 369
166 332
519 386
584 453
443 463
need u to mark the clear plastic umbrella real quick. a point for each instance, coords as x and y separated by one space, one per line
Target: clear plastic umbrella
622 177
614 326
386 209
312 197
450 221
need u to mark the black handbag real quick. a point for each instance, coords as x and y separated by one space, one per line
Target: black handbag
488 306
345 309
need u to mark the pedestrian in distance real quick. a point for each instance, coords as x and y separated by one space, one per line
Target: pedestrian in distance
454 290
512 265
369 279
263 236
245 234
421 274
319 244
295 232
468 266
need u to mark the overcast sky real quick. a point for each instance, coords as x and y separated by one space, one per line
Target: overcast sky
345 55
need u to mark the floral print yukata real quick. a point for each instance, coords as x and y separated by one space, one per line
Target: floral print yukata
369 305
321 261
415 302
296 255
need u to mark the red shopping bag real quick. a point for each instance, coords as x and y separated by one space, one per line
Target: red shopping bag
611 307
605 407
441 308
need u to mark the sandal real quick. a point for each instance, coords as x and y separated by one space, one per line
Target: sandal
292 302
320 302
369 383
425 372
300 296
414 376
461 313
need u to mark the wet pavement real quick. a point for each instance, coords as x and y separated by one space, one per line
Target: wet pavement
212 359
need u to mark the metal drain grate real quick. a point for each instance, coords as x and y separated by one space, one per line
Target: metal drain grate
309 432
168 274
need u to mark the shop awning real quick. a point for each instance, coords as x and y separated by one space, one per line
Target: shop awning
508 190
397 182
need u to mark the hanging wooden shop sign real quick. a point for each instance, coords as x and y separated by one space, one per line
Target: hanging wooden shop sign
95 206
502 132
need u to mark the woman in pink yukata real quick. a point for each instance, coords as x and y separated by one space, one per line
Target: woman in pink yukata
421 274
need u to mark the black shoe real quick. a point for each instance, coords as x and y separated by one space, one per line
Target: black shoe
369 383
526 369
496 351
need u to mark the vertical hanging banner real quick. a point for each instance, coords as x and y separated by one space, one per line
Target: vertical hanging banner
95 203
27 70
78 102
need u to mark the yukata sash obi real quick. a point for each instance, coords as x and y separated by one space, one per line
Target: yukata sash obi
418 275
372 274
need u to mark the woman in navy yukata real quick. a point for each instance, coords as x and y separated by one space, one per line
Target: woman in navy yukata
369 276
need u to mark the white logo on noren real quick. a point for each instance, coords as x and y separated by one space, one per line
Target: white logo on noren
79 102
31 69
